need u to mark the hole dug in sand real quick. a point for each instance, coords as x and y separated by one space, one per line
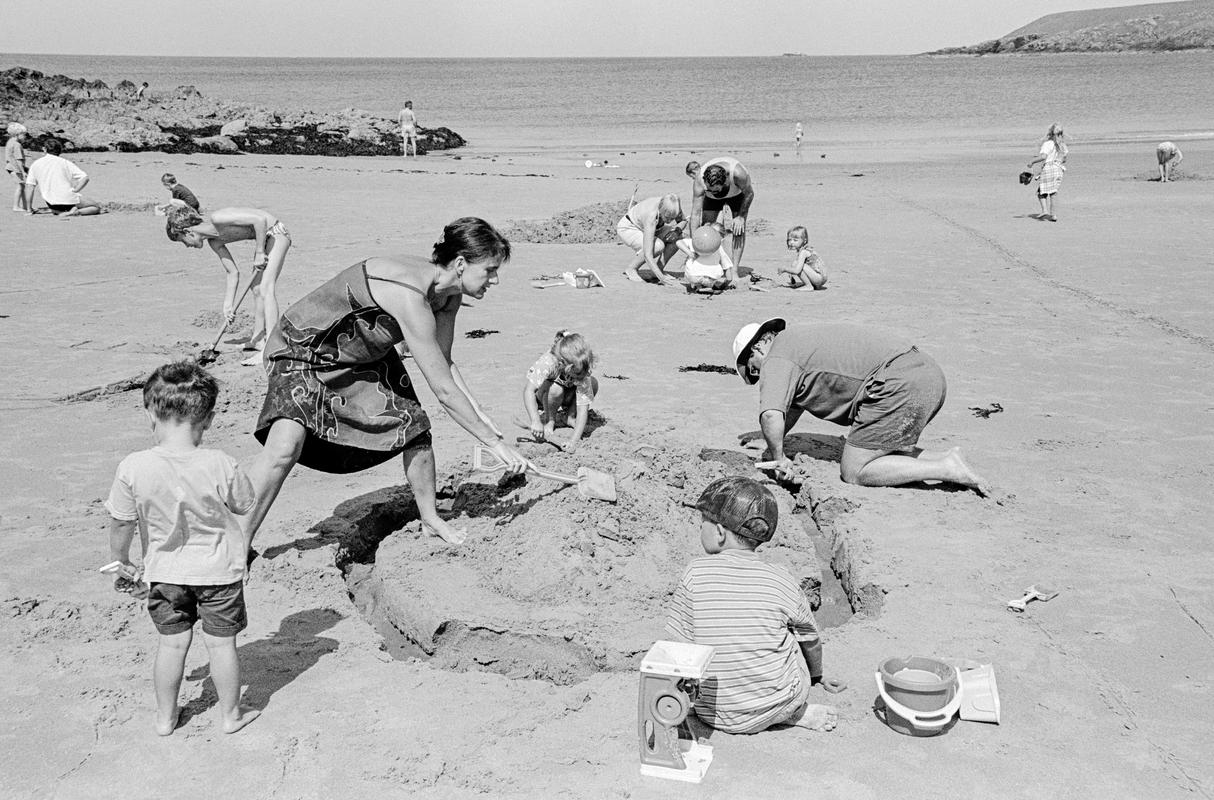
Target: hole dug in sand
548 585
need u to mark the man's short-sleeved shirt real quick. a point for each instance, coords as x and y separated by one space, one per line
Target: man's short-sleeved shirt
183 194
824 368
54 176
755 615
186 506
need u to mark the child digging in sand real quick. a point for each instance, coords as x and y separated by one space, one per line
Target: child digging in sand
184 500
227 225
560 389
768 652
806 272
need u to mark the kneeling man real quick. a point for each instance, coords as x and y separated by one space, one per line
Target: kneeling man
879 385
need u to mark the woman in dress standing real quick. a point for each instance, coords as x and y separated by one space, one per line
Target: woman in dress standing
339 399
1052 159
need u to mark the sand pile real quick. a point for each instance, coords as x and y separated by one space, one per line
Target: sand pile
593 224
554 586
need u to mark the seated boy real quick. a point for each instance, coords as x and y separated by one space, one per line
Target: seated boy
184 500
768 652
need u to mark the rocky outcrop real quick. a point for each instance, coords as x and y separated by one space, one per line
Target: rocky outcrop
1154 27
90 115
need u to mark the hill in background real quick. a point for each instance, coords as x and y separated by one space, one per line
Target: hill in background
1156 26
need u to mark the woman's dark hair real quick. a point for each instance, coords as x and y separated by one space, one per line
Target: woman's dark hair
472 238
180 219
181 391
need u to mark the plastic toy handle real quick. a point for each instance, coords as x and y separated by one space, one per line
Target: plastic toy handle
922 719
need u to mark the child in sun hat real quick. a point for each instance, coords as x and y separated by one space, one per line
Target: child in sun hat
768 651
709 268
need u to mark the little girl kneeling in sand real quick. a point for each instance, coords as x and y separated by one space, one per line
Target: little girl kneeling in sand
227 225
806 272
560 389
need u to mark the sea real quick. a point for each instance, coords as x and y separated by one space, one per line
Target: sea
564 104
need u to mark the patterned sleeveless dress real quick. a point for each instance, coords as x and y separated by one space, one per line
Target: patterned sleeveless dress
333 368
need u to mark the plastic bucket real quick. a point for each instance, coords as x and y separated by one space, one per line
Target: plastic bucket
921 695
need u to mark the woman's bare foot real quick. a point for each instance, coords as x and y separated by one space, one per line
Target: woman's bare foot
809 287
817 718
960 472
167 723
243 716
633 275
254 360
445 531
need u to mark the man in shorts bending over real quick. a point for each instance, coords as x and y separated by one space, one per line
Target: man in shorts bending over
716 184
876 383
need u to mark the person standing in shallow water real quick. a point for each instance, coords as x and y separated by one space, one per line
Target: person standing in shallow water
339 399
1052 158
408 129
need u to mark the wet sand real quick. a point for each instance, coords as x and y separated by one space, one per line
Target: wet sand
1093 334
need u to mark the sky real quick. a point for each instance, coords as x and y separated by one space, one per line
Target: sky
511 28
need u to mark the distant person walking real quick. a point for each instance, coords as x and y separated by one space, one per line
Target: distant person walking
1169 157
408 129
59 181
797 133
14 163
141 91
1052 159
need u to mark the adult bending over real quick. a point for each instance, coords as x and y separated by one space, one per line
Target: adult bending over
59 181
652 228
1052 158
227 225
878 384
1169 157
339 398
719 183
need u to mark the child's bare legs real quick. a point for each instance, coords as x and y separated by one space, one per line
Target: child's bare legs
225 673
419 471
166 677
551 397
19 202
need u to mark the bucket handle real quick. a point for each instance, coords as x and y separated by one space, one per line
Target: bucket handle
932 720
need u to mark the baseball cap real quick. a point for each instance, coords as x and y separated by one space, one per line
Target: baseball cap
742 505
750 333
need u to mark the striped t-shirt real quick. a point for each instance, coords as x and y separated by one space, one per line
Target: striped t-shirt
754 614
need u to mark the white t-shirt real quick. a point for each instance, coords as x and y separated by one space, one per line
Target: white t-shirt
54 175
705 265
186 505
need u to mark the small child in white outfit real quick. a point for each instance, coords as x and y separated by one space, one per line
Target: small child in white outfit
709 268
184 500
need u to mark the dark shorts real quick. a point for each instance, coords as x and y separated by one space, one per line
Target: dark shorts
900 399
713 206
175 609
59 208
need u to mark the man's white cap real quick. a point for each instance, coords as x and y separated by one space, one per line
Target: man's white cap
750 333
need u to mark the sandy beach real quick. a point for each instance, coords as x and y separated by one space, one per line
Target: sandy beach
1093 334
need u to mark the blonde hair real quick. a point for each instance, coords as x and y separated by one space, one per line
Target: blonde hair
574 358
670 208
16 129
1058 137
801 230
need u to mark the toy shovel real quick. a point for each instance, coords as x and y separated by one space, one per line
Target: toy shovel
590 483
1042 593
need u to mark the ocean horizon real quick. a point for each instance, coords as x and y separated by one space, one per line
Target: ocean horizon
918 101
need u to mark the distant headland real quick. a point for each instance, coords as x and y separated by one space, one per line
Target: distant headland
1152 27
91 115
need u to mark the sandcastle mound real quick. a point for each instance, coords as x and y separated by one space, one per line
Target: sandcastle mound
555 586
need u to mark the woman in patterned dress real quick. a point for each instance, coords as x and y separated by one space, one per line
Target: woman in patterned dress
339 399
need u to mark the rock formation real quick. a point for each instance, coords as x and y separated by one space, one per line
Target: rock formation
1157 26
90 115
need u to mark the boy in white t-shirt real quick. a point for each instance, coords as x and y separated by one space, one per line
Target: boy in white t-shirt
184 500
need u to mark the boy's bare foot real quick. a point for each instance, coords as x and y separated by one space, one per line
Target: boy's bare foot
166 724
445 531
960 472
817 718
244 715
